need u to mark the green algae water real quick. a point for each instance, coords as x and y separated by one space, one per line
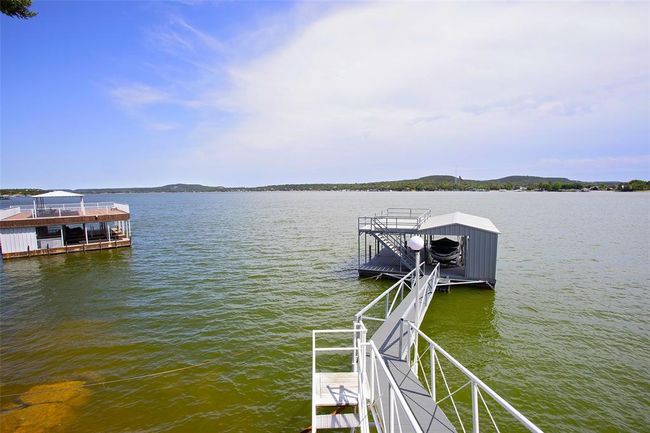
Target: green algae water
236 281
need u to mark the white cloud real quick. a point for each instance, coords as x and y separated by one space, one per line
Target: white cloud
179 37
372 85
360 80
136 96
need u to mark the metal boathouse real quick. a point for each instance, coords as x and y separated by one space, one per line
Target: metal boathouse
393 377
382 248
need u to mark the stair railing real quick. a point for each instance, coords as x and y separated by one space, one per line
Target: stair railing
397 247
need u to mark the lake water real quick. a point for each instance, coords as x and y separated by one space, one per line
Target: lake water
239 280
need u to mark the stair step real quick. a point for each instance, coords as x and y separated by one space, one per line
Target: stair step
336 389
342 420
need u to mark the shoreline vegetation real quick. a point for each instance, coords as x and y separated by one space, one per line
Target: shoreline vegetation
428 183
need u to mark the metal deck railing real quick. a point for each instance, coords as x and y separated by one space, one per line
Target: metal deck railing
64 209
395 218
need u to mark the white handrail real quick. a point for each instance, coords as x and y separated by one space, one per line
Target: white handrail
478 382
359 363
6 213
384 293
399 217
67 207
378 359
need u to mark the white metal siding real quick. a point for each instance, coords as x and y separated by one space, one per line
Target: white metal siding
16 240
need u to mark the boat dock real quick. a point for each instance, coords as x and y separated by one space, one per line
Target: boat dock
44 228
382 249
395 380
392 339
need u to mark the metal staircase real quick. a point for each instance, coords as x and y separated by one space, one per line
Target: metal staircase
391 241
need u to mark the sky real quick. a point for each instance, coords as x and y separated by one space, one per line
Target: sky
135 93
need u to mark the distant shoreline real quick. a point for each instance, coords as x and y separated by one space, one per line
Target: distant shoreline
234 190
428 183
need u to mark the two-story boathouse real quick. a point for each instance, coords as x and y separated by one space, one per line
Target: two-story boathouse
46 228
464 245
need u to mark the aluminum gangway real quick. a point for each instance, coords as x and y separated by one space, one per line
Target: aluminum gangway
388 389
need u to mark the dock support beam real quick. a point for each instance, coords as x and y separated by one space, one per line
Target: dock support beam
359 251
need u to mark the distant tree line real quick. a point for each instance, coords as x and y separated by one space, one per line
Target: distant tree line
636 185
459 185
21 191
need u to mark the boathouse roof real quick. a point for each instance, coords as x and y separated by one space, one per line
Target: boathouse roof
58 194
461 219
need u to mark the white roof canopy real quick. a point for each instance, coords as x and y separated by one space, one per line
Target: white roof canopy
57 194
461 219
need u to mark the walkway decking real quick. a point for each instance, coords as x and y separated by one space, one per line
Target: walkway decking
428 415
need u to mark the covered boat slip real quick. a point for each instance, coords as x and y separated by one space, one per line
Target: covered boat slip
465 245
44 229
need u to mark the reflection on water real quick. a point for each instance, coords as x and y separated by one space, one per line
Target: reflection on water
240 279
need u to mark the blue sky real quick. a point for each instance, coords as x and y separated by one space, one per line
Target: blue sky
108 94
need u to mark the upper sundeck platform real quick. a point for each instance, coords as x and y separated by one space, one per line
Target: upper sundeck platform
55 214
394 218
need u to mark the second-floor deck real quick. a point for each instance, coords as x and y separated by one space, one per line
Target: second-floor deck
395 219
54 214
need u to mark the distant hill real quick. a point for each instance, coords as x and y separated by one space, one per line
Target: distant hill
438 178
176 187
530 180
444 183
427 183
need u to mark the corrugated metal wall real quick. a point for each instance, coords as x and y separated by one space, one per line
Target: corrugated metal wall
480 252
15 240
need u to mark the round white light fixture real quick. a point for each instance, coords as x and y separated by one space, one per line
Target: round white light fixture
416 243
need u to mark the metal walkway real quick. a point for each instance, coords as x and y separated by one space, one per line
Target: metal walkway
384 391
392 348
